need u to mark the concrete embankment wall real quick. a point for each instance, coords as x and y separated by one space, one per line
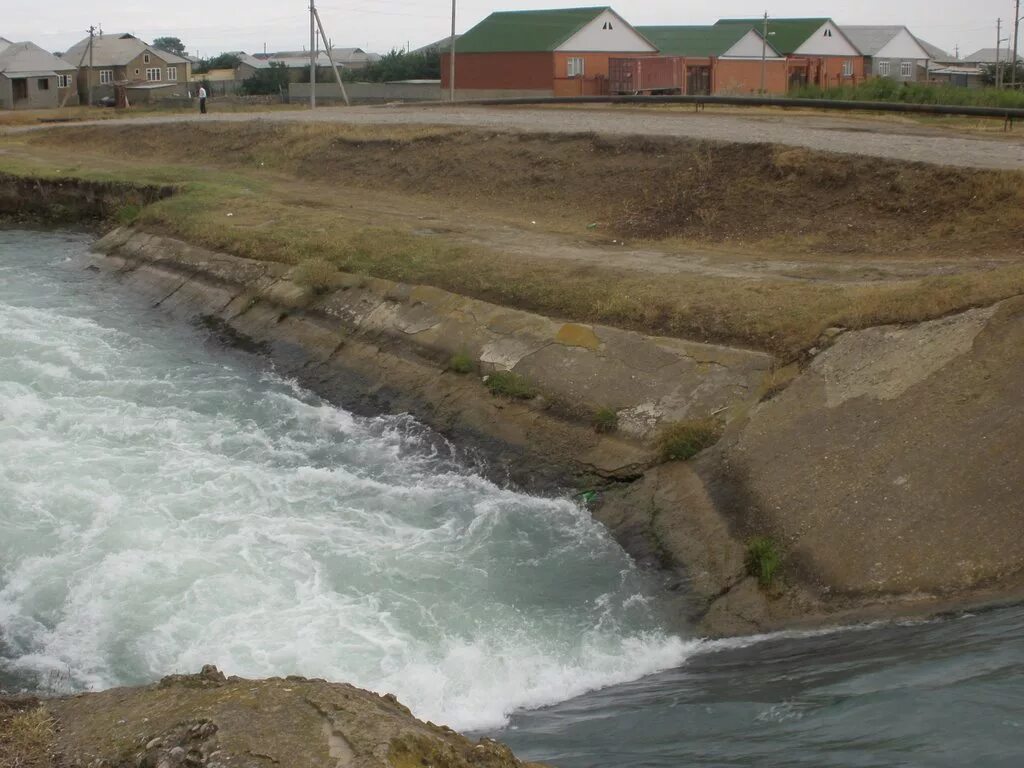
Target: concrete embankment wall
389 343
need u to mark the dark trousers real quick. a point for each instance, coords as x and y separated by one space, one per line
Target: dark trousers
202 106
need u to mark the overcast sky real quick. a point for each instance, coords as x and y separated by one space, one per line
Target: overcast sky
379 25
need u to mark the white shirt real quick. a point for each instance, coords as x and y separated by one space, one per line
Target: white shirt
202 92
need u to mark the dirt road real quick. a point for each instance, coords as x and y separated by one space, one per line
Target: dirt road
863 136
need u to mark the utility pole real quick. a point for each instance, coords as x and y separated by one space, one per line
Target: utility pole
764 49
92 35
451 59
1016 36
330 56
312 54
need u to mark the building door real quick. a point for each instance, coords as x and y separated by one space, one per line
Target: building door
797 78
19 87
698 81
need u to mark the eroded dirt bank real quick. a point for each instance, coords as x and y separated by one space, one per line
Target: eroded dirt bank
207 719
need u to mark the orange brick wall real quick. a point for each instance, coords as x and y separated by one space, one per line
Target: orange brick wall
741 77
512 71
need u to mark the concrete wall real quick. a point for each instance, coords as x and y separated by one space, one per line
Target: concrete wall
42 93
875 67
368 91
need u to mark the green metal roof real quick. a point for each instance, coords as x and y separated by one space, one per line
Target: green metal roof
526 31
784 35
697 41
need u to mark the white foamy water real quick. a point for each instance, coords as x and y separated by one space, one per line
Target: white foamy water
164 503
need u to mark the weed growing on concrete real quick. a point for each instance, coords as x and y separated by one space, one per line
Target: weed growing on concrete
682 440
605 420
460 363
508 384
318 275
763 559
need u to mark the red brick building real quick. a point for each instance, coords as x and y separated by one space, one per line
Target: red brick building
561 52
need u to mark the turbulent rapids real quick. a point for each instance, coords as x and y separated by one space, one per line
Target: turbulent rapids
167 503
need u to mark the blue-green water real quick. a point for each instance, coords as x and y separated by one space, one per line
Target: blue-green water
165 503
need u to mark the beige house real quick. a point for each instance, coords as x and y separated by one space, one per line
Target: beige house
126 60
32 78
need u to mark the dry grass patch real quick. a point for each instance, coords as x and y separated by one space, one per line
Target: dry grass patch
26 737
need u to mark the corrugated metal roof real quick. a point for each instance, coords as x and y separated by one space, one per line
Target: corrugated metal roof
988 56
697 41
934 52
870 39
29 60
786 35
116 51
526 31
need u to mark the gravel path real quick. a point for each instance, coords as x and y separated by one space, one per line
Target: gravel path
834 134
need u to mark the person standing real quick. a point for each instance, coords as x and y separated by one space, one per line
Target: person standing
202 100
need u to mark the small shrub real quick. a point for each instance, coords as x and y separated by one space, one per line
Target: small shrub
460 363
682 440
509 384
318 275
605 420
763 559
128 213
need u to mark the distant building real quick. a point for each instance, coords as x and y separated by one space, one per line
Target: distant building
890 51
990 56
817 51
561 52
730 55
32 78
124 59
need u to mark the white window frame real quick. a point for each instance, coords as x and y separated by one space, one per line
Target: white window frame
884 68
906 69
847 68
106 76
154 75
63 81
575 66
172 73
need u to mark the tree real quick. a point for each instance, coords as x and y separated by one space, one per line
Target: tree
988 72
273 79
399 65
170 44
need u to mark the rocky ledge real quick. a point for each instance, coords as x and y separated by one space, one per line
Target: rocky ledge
208 719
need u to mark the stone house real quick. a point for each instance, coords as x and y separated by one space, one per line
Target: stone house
891 52
32 78
124 59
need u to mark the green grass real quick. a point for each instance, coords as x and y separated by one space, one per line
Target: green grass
317 275
605 420
460 362
26 738
511 385
683 440
884 89
763 559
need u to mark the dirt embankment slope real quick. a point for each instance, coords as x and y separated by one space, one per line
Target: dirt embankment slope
209 720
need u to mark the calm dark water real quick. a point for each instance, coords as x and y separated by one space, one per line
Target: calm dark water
941 693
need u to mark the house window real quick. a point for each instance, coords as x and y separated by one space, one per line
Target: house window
172 73
106 76
828 33
883 68
63 81
153 75
847 69
906 69
607 25
145 58
575 66
44 84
